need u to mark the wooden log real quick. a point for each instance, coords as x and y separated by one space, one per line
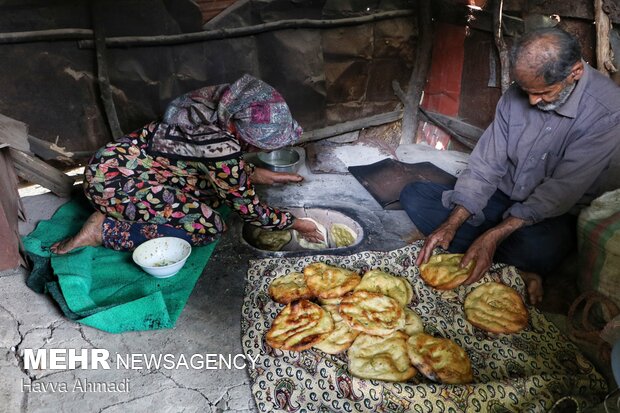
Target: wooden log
463 132
417 81
218 34
45 35
500 43
105 88
84 36
36 171
350 126
604 61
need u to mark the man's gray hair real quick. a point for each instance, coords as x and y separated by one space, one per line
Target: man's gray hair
555 54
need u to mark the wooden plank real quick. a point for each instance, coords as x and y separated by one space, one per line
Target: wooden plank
36 171
604 58
213 21
463 132
350 126
14 133
11 210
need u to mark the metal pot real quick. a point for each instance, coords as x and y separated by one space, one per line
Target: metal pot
281 160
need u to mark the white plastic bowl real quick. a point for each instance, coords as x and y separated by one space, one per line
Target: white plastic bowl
162 257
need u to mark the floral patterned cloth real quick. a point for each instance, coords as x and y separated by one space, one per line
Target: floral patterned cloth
146 196
524 372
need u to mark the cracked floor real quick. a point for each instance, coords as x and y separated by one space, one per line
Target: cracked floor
210 322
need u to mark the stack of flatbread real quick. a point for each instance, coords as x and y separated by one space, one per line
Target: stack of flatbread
369 318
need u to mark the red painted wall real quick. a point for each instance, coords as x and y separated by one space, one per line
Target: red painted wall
443 89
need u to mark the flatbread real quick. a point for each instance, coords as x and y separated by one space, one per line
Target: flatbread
341 338
413 323
380 358
443 271
326 281
342 236
372 313
381 282
290 287
329 301
304 243
496 308
439 359
270 240
299 326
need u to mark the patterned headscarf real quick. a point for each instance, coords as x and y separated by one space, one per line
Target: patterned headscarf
258 112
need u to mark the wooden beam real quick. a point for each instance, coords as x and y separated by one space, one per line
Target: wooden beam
105 87
604 61
45 35
500 43
463 132
218 34
36 171
350 126
14 133
417 81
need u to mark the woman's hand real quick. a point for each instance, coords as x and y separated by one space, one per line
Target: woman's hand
308 230
267 177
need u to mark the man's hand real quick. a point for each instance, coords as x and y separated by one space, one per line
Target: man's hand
443 235
308 230
483 248
267 177
481 252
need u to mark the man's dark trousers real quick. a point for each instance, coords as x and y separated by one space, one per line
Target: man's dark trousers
538 248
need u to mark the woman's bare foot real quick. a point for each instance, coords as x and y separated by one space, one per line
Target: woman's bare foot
534 286
89 235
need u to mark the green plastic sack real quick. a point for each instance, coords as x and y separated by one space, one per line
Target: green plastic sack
598 238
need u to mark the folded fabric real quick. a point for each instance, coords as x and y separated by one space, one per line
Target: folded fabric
103 288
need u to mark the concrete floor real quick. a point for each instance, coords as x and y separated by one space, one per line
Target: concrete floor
210 323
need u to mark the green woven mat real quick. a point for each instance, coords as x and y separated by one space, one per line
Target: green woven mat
103 288
525 372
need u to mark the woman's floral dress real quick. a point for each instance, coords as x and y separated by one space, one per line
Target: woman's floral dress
146 196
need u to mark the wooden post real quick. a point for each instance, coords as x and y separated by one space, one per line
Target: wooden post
500 43
105 87
604 61
417 81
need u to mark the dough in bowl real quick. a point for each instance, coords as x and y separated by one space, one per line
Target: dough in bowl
342 236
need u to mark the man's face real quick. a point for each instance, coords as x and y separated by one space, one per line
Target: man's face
547 97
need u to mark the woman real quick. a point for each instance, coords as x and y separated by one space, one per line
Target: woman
167 178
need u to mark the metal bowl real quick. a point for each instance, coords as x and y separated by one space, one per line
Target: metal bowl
281 160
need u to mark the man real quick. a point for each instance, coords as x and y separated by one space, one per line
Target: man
540 161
